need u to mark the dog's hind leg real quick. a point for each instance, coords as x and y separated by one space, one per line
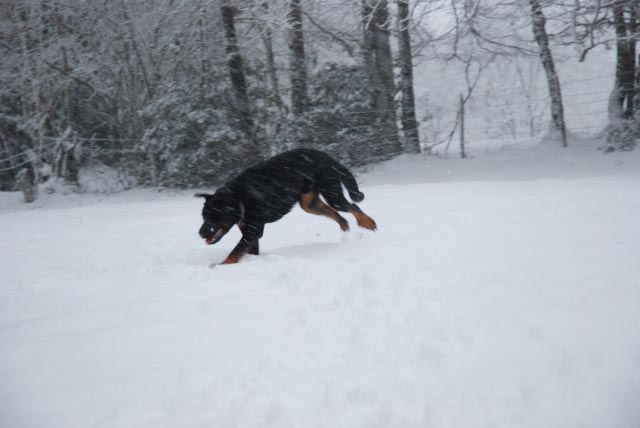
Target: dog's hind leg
362 219
331 191
311 203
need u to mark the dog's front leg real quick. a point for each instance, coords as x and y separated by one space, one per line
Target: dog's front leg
253 231
251 234
240 250
255 248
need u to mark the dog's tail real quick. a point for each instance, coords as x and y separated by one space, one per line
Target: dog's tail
349 181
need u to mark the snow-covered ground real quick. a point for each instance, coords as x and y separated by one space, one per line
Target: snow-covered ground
499 291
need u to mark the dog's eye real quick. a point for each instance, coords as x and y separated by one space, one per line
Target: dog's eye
211 230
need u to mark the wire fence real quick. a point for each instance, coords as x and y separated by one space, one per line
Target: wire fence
508 113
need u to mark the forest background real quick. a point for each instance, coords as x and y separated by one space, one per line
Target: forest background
186 93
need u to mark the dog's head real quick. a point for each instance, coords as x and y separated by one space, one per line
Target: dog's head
220 212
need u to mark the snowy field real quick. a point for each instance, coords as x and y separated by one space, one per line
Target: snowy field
499 291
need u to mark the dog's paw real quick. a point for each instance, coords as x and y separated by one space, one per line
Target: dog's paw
367 222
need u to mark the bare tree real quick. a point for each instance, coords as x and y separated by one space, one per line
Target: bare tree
238 78
266 34
474 67
538 22
409 121
625 20
379 64
298 70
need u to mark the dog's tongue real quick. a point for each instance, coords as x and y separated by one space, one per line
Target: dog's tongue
215 237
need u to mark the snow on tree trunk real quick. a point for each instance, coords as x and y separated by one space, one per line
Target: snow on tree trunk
299 91
622 104
409 122
267 39
238 80
379 64
26 182
622 132
542 39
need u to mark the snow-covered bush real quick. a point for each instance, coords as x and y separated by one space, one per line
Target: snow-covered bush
340 119
190 139
622 136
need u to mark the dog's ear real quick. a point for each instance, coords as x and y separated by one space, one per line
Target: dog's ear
207 196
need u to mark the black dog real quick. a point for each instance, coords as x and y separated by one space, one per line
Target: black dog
267 191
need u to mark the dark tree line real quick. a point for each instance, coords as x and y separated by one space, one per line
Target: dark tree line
187 93
180 93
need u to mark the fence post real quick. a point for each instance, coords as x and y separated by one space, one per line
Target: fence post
462 153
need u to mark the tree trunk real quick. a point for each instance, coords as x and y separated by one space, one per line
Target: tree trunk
540 35
622 105
71 165
299 91
623 129
463 155
26 182
379 64
267 40
238 78
204 60
409 121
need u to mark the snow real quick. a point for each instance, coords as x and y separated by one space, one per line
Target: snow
499 291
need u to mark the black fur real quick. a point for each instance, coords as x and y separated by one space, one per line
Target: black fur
267 191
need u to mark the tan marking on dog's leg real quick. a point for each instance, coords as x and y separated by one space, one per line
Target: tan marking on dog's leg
311 203
363 220
240 250
231 259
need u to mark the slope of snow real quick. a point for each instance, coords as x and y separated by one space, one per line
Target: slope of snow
496 293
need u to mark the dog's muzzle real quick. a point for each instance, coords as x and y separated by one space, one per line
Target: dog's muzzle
212 239
211 234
